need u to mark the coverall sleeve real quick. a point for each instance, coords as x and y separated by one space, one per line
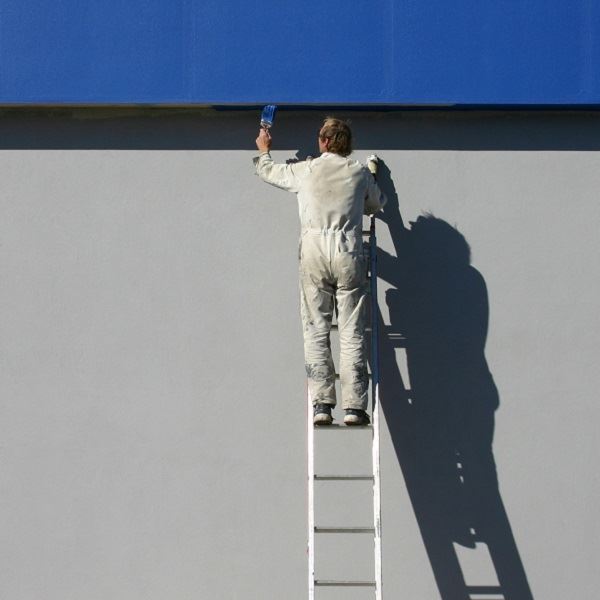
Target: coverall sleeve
284 176
375 199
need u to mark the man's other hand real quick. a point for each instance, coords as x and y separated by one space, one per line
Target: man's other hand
263 141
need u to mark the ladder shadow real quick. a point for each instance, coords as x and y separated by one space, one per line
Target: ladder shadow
442 420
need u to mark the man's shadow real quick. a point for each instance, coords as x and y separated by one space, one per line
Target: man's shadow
442 419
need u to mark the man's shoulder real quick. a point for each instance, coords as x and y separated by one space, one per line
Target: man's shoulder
347 160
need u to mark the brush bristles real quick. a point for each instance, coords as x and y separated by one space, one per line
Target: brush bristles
268 116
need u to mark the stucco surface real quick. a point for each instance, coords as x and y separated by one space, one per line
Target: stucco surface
153 416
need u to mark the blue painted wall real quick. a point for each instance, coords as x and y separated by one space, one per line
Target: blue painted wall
482 52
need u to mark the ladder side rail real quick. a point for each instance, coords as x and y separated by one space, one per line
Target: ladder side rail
311 496
376 411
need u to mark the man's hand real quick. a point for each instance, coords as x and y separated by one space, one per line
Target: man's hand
263 141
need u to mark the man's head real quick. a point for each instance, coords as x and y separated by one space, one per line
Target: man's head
335 136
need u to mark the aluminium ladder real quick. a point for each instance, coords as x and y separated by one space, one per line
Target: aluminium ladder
375 530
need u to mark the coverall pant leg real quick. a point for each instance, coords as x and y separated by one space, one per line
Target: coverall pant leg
327 280
351 300
317 302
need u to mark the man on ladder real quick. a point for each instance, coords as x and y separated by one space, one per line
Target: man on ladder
333 194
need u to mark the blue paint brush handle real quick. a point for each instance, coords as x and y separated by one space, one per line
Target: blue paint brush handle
268 116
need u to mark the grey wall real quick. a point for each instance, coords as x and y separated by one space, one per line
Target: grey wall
153 417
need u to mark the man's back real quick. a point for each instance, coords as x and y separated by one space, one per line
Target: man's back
332 194
333 191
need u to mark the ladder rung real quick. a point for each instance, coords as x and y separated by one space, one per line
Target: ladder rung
366 232
343 477
391 332
344 530
324 582
369 375
341 426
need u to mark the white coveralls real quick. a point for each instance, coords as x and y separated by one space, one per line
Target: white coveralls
333 194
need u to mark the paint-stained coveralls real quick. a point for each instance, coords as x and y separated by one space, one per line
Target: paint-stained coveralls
333 194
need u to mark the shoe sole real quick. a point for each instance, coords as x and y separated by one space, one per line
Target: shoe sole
355 420
322 419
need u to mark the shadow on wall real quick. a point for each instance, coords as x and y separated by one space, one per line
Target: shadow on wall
442 419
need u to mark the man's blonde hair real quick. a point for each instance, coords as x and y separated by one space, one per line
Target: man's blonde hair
339 135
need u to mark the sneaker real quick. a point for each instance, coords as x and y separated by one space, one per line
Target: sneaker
322 414
356 416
